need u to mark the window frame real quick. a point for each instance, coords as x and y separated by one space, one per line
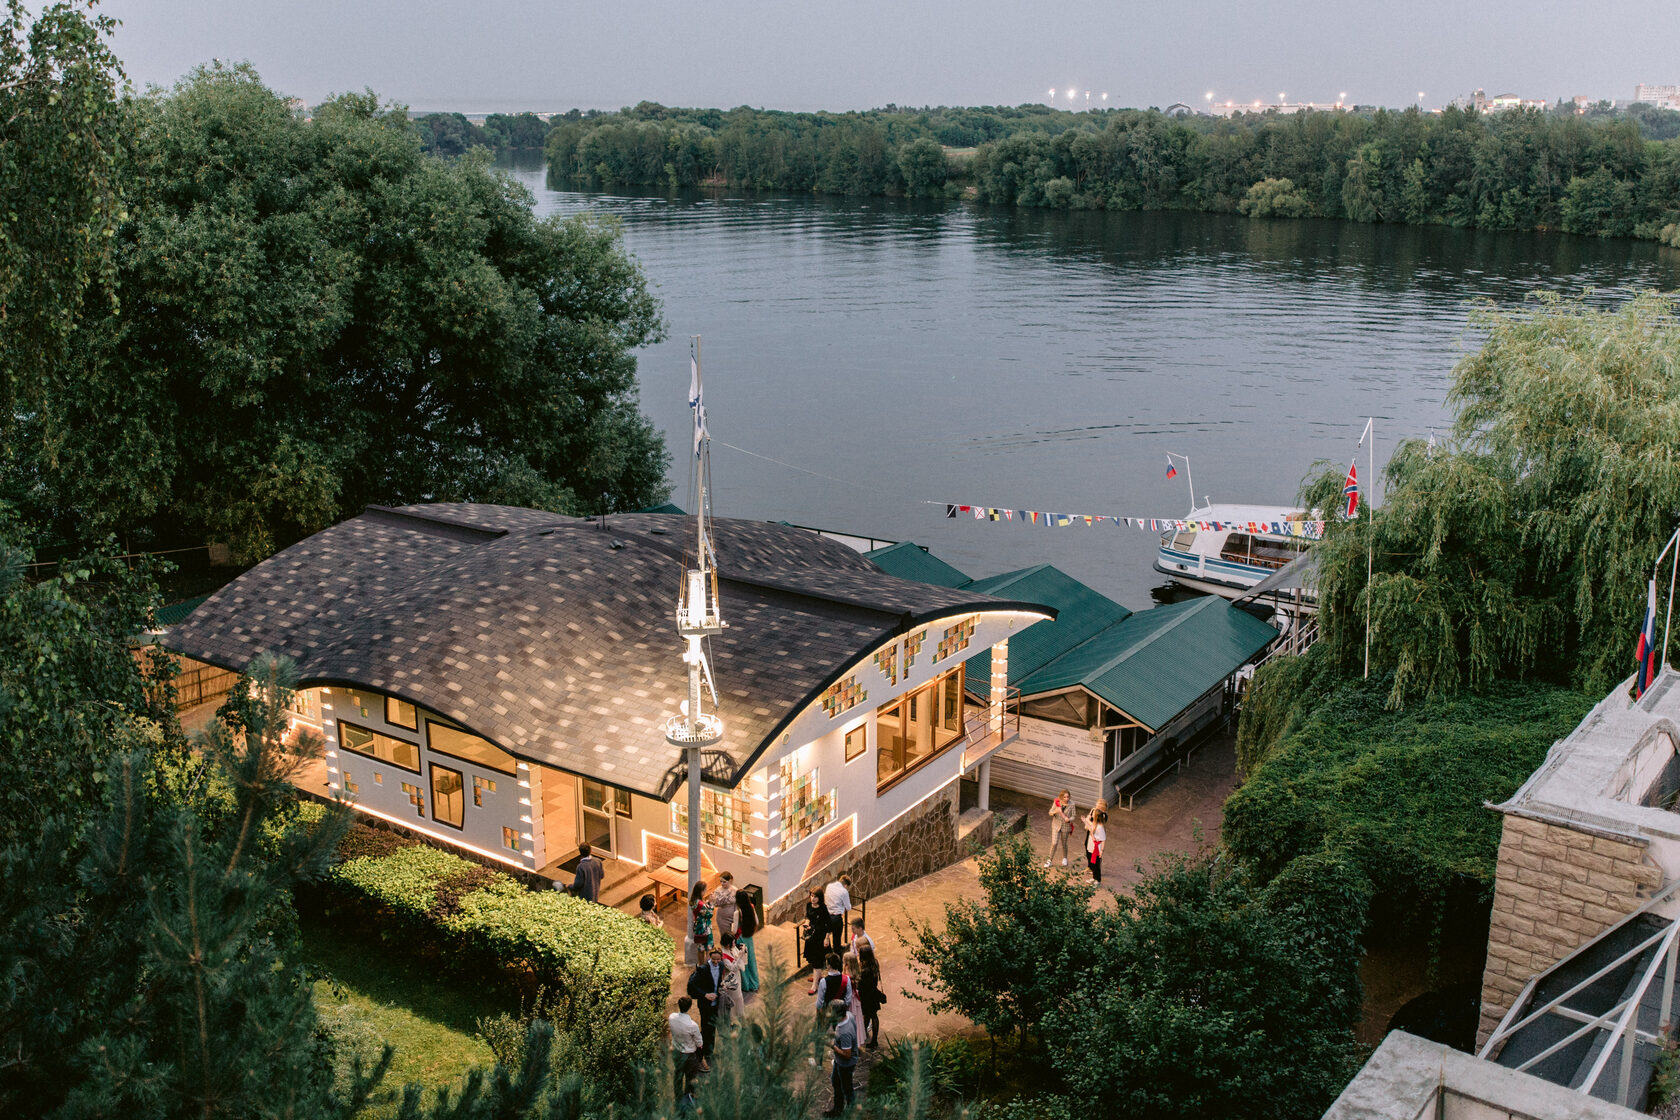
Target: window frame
390 716
862 733
344 744
431 748
934 690
437 799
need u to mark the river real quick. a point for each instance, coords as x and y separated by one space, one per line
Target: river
868 360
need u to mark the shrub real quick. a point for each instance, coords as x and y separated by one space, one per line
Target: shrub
603 964
1276 198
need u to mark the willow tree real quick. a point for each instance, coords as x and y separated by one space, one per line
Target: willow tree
1520 548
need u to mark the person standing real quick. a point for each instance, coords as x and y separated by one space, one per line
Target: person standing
860 938
833 987
686 1044
586 883
723 905
730 1001
853 968
700 925
837 898
746 906
844 1047
1096 835
870 994
1061 826
705 986
816 934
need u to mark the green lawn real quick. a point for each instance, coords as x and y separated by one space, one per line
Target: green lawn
371 996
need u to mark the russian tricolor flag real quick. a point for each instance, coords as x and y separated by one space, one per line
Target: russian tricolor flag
1645 654
1172 471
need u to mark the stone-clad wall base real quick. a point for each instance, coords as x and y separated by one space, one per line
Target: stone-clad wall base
919 843
1555 889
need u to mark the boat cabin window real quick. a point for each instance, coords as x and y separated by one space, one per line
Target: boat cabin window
1182 540
1241 548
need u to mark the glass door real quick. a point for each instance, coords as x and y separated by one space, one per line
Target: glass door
598 804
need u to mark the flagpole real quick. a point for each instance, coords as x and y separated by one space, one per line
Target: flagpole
1673 572
1371 537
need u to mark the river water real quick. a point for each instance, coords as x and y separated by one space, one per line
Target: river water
869 360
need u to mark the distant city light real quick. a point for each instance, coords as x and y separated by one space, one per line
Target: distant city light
1342 96
1072 93
1420 95
1282 97
1052 95
1208 95
1105 97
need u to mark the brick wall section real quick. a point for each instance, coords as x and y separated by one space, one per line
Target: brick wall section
918 843
1555 889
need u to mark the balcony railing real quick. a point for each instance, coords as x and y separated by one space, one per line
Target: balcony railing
989 730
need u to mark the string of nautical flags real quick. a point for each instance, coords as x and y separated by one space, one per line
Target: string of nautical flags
1032 518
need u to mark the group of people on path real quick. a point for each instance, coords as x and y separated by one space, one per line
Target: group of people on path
726 968
846 981
1062 815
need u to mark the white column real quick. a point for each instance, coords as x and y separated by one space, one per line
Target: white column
984 777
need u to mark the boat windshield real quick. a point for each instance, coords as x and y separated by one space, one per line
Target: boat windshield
1181 540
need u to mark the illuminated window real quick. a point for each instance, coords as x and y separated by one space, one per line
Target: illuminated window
446 795
467 747
378 778
955 639
804 809
857 741
482 786
350 785
306 704
399 713
725 819
510 839
415 797
918 727
843 695
386 748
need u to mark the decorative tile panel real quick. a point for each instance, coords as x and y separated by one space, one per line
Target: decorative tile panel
843 695
725 819
804 809
886 660
913 646
955 639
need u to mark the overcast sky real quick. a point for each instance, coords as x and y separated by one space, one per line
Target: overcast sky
503 55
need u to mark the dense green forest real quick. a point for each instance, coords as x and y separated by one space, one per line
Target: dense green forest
1605 173
451 134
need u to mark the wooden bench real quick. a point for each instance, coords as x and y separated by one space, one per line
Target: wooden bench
667 869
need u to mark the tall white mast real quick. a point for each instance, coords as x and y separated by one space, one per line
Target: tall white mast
693 730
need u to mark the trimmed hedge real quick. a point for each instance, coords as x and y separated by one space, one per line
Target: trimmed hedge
594 956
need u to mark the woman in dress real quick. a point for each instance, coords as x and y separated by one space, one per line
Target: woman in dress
700 921
870 994
816 936
1096 835
854 980
731 1001
723 905
748 924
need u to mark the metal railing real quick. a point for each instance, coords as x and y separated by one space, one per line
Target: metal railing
1625 1032
992 729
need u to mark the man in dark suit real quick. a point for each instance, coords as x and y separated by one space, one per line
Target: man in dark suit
703 985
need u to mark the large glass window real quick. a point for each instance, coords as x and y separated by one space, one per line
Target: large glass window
467 747
399 713
398 752
918 726
447 799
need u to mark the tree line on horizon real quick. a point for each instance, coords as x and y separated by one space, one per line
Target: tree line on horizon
1604 173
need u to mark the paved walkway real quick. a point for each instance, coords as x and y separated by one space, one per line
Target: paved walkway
1167 819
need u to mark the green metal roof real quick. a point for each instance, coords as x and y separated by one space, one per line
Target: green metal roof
1080 614
177 612
908 560
665 508
1154 664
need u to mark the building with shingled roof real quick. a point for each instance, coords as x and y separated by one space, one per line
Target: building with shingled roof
497 679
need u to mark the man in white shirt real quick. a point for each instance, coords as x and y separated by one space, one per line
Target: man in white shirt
686 1043
837 899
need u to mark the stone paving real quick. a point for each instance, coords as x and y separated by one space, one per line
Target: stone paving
1166 819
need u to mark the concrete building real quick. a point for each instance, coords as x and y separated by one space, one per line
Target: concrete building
497 679
1663 97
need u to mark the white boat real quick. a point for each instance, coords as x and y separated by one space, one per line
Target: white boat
1230 549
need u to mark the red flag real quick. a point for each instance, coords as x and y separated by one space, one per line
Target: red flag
1350 489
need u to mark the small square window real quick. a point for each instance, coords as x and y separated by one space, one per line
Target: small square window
857 741
378 778
415 797
621 801
482 786
510 839
350 785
